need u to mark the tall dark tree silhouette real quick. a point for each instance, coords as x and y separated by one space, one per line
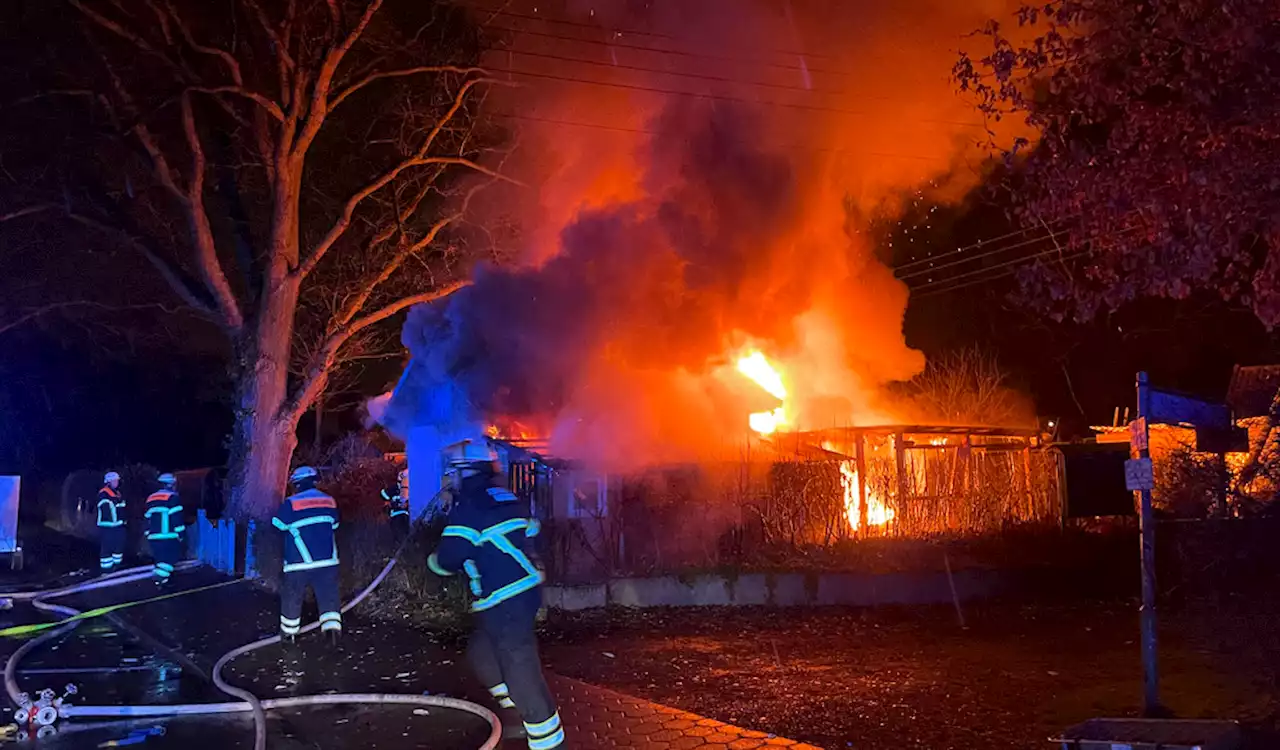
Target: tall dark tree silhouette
1156 162
296 172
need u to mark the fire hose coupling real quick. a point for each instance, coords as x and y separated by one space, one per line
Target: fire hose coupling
45 711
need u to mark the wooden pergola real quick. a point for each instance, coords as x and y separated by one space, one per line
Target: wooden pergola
813 444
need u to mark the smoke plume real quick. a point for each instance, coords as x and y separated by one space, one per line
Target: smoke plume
699 202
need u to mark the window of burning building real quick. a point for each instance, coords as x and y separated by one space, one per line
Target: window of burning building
588 496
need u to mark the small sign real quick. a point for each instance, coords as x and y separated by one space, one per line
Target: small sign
1138 434
1174 408
1139 474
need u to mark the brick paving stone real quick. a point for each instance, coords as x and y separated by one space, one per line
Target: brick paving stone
603 719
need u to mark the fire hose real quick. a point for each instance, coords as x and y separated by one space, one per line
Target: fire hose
49 709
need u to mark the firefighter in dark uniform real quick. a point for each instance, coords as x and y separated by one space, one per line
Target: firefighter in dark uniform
308 519
396 503
165 527
486 537
110 523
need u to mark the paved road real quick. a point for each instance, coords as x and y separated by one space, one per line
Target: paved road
162 653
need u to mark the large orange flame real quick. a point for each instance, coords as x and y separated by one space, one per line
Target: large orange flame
878 514
757 367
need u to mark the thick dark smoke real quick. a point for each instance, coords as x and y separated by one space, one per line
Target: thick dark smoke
679 232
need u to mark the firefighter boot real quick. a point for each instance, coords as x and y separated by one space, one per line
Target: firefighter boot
512 724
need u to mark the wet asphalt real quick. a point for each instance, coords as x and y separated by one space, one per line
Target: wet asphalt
163 653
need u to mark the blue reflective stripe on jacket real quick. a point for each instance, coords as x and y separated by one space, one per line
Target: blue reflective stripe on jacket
486 538
308 520
110 507
164 515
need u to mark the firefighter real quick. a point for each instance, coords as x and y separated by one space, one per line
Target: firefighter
486 535
396 503
308 519
164 527
110 523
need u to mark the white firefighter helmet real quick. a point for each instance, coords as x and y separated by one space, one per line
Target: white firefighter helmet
303 472
467 456
112 476
167 479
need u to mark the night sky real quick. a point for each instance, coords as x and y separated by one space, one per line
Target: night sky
88 387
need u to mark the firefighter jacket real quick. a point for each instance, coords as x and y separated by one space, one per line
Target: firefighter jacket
395 504
164 515
308 520
110 507
487 537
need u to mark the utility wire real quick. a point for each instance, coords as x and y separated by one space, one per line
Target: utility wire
926 294
642 131
721 97
694 76
947 284
979 271
978 256
975 246
499 13
677 52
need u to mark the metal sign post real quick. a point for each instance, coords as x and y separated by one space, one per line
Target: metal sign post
1155 407
1147 531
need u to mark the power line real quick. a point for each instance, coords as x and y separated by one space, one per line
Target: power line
944 284
968 274
641 131
494 12
966 248
695 76
925 294
979 256
720 97
677 52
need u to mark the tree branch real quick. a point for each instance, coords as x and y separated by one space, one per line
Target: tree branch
319 108
271 107
321 364
120 31
418 159
353 88
215 278
281 47
357 303
54 306
28 211
167 272
233 65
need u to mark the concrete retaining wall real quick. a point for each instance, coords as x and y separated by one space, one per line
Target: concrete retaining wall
778 590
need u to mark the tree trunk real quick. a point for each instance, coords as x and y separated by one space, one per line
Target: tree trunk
316 438
264 436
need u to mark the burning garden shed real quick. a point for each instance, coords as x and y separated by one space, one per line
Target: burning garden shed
785 497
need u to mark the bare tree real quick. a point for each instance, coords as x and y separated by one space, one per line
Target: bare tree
964 387
295 170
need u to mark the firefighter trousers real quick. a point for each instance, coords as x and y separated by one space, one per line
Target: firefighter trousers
166 552
293 590
111 547
503 652
399 526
